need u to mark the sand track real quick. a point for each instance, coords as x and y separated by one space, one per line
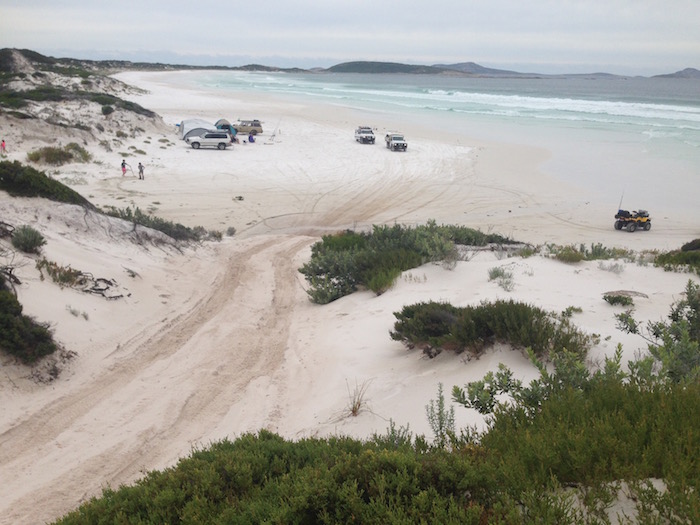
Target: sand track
200 363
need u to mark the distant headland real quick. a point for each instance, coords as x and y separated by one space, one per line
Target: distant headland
463 69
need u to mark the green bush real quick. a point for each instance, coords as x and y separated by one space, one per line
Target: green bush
50 155
342 262
174 230
607 431
265 479
569 254
24 181
27 239
439 326
622 300
57 156
679 260
691 246
20 335
62 275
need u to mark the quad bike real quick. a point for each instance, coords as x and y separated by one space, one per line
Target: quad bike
631 221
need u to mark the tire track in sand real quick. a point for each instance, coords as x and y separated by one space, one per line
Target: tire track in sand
246 337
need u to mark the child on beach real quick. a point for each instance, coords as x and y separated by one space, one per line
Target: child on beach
124 165
141 167
2 147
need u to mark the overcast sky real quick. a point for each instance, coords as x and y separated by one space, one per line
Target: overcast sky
643 37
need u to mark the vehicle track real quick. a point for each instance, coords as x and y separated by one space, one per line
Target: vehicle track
134 426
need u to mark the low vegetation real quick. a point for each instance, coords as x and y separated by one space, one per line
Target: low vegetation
559 450
685 259
341 264
27 239
618 299
72 152
20 335
24 181
435 326
173 230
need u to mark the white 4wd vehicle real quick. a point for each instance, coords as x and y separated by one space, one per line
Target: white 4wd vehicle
395 142
211 139
364 135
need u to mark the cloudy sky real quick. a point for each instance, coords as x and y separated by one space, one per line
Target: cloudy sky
644 37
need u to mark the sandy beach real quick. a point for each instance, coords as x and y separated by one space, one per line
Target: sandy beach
219 339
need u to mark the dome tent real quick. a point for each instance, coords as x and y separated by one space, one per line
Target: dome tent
187 126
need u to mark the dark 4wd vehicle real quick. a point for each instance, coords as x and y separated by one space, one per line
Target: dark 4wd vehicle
632 221
212 139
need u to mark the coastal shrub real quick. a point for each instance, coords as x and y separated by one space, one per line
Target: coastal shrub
569 254
503 277
679 260
691 246
107 110
50 155
599 252
25 181
374 260
27 239
674 344
605 431
441 420
265 479
72 152
571 310
20 335
435 325
176 231
62 275
616 299
79 153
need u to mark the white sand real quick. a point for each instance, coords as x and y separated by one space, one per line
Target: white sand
221 339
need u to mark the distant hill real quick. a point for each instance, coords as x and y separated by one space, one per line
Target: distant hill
8 63
475 69
383 67
689 72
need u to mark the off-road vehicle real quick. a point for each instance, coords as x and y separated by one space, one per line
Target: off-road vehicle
211 139
395 141
364 135
248 127
631 221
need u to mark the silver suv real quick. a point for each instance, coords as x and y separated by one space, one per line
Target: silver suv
211 139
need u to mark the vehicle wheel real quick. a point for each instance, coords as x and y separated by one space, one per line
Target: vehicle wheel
631 227
647 226
221 145
618 225
195 145
254 132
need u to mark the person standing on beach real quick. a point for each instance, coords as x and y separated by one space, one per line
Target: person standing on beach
124 165
2 147
141 168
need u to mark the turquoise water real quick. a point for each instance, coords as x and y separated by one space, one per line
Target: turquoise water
640 135
648 106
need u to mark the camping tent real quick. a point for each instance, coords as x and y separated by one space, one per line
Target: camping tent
188 125
222 123
198 132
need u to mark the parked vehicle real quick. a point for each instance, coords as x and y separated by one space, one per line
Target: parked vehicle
395 142
211 139
632 221
248 127
364 135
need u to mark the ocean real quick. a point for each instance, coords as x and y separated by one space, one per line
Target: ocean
621 134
